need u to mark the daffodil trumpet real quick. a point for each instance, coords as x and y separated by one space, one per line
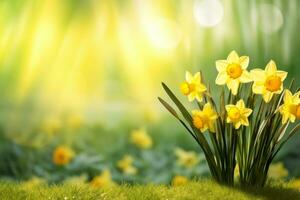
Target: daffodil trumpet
248 127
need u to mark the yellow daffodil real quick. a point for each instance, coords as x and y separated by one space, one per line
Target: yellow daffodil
236 171
141 139
193 87
76 180
51 125
238 114
290 110
62 155
74 122
205 119
278 171
186 159
232 71
179 180
34 182
103 180
268 82
126 165
295 184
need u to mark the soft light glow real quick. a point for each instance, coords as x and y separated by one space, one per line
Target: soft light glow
208 13
269 18
164 34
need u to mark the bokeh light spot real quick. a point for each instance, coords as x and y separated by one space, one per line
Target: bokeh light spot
164 34
208 13
269 18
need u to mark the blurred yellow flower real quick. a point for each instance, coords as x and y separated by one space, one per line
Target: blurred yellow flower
103 180
62 155
236 171
126 165
238 114
290 110
76 180
141 139
268 82
186 159
205 119
232 71
179 180
193 87
51 125
295 184
74 121
34 182
278 171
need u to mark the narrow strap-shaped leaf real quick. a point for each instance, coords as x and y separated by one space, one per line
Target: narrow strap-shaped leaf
202 141
168 107
282 131
260 130
174 113
293 131
222 105
291 84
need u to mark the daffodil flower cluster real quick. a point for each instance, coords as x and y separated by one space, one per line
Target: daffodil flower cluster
249 125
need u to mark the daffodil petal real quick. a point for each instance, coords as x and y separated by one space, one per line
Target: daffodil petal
245 121
199 97
297 94
203 129
284 119
197 78
288 96
233 85
247 112
195 112
244 61
233 57
282 75
245 77
280 90
271 68
292 118
237 125
257 75
192 96
267 96
296 100
257 89
212 127
201 88
240 104
221 65
188 76
228 107
228 120
221 78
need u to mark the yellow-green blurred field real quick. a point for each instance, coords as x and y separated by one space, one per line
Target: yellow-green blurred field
79 81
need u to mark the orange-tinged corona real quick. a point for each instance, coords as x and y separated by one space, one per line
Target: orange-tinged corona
234 114
234 70
290 109
198 121
273 83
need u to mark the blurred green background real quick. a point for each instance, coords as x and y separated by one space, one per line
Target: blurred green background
86 73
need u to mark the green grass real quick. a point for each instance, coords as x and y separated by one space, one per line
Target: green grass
205 189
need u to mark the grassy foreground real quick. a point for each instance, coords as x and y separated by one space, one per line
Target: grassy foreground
195 190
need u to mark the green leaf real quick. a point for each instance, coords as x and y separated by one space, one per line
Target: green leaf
168 107
293 131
